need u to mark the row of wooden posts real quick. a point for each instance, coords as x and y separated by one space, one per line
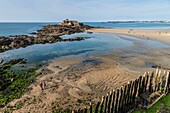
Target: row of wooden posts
133 94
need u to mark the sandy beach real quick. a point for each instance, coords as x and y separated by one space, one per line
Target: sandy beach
148 34
72 82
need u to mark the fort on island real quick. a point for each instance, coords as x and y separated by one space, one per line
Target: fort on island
71 23
48 34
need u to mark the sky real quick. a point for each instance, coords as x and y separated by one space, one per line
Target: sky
83 10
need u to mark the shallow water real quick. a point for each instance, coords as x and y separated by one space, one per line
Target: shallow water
98 44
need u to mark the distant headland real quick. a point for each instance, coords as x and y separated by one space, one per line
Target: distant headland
139 21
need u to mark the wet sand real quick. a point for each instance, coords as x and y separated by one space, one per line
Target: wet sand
159 35
73 84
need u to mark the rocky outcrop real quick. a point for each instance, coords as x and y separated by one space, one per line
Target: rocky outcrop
48 34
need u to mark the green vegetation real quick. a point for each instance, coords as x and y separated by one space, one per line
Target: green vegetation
162 106
14 80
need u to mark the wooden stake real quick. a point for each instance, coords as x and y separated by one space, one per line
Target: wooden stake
85 110
139 86
97 107
109 103
150 83
117 99
167 83
113 102
91 109
161 80
102 104
158 81
106 103
146 82
120 99
131 93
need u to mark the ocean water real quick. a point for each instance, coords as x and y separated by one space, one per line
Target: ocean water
8 29
98 44
136 25
11 29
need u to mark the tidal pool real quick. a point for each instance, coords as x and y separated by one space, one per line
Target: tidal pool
98 44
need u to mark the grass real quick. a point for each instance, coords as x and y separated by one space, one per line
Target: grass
163 105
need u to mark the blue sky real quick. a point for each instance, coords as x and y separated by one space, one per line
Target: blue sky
83 10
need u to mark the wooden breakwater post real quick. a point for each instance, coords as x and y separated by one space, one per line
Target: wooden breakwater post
106 103
91 108
150 82
97 107
166 89
120 98
169 83
102 104
110 101
134 93
161 81
117 101
124 98
113 101
146 82
85 110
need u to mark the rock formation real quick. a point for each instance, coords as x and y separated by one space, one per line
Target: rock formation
48 34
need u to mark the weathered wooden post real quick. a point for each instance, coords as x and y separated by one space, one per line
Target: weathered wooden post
120 99
117 99
143 83
158 81
102 104
124 98
91 108
113 102
129 92
146 82
150 82
135 92
155 80
161 80
109 103
85 110
106 103
97 107
169 84
139 86
166 83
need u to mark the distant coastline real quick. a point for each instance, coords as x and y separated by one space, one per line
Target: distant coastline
138 21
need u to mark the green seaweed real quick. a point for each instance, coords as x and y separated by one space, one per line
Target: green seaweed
13 83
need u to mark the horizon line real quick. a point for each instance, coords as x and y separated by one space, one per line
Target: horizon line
79 21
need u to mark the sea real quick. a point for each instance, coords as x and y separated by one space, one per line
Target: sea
98 44
11 29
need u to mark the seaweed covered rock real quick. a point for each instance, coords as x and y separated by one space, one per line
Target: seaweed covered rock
48 34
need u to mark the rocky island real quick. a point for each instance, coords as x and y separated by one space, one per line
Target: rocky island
48 34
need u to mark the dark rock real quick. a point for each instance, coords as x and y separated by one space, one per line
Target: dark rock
48 34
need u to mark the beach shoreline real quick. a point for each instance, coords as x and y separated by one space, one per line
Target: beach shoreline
147 34
76 82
